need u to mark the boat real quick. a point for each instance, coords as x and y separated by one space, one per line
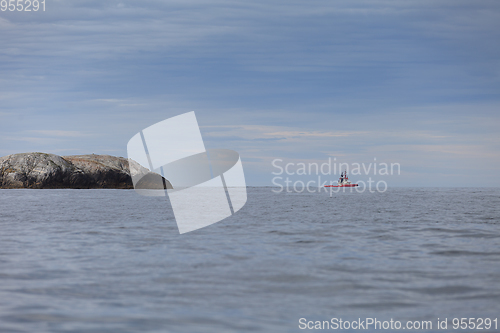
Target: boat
343 181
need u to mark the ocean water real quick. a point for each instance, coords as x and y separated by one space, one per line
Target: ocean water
113 261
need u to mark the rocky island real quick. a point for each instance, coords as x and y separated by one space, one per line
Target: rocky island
43 171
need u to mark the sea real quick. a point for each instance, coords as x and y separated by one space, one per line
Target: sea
114 261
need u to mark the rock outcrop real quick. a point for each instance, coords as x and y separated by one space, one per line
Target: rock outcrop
103 170
39 170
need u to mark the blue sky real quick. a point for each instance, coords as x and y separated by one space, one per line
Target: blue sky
412 82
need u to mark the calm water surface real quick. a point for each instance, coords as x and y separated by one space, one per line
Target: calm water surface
113 261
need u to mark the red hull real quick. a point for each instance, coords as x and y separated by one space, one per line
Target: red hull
349 185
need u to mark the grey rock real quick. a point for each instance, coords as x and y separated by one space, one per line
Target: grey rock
101 171
40 170
37 170
146 180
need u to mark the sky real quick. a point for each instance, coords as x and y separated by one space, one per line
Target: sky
409 82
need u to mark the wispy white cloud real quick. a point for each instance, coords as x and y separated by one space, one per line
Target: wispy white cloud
109 100
253 132
33 140
119 102
4 23
60 133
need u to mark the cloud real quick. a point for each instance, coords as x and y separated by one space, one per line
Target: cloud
253 132
4 23
59 133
